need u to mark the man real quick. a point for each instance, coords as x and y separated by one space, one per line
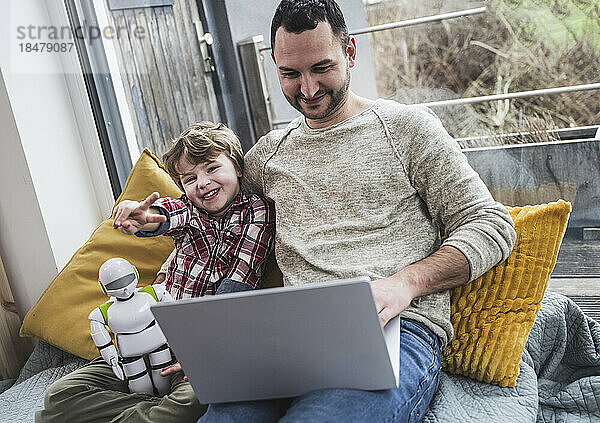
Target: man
366 187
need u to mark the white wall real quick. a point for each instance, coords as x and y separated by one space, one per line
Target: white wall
24 245
49 200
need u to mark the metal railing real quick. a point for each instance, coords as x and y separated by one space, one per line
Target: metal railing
252 64
495 97
508 96
412 22
419 21
563 134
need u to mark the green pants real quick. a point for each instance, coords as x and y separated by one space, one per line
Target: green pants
94 394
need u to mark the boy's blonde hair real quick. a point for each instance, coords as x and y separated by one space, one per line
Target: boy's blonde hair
202 142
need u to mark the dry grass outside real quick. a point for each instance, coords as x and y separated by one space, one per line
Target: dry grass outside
498 52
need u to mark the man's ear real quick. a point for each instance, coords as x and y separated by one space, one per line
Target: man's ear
351 52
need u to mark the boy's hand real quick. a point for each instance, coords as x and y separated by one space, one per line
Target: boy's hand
174 368
160 278
130 216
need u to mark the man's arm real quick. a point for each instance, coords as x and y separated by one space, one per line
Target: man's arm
457 200
479 231
445 269
251 182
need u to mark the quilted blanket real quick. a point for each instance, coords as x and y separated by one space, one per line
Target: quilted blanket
45 365
559 378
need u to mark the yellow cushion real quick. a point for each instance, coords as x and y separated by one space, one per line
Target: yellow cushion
60 317
492 315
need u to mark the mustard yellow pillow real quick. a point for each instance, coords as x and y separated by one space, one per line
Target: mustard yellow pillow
60 317
492 315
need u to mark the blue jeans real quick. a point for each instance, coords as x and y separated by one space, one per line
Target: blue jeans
420 363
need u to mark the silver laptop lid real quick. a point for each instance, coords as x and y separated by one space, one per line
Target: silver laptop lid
282 342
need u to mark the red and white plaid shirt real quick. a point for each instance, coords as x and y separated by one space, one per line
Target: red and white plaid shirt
209 250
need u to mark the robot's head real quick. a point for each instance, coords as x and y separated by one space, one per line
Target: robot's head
118 278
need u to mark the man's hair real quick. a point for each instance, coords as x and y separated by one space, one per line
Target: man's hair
298 16
202 142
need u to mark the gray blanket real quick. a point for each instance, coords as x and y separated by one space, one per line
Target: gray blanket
559 379
45 365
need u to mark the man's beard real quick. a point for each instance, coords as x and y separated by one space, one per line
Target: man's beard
336 99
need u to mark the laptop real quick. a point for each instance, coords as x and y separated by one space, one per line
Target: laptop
282 342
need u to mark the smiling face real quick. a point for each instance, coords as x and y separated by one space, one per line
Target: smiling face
210 185
314 72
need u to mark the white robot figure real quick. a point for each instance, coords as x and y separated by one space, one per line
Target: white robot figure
127 314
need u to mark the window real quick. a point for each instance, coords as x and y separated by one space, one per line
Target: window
510 47
145 64
536 147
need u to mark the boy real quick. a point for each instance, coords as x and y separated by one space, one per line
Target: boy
220 233
222 238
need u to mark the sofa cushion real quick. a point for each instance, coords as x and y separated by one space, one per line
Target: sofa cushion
492 315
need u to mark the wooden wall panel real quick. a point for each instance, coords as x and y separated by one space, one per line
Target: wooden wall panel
167 87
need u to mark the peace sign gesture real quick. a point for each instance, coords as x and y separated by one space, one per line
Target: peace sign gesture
132 216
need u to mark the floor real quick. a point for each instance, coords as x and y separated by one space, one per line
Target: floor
578 257
577 274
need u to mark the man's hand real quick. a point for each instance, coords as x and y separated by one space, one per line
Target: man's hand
445 269
174 368
392 296
130 216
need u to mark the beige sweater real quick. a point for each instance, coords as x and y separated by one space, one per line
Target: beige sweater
373 194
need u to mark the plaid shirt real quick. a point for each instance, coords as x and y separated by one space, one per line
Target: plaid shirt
209 250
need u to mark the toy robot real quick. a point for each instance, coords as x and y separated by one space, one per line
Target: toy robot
127 314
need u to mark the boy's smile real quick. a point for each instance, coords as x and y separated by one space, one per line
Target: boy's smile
211 185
